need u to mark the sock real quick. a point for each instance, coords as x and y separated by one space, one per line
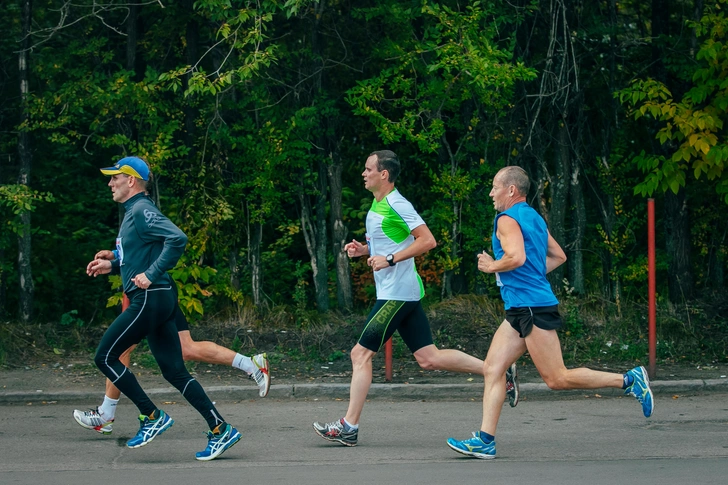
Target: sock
219 428
628 381
154 415
108 408
485 437
244 363
349 426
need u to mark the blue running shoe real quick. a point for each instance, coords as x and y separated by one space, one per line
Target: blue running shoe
473 447
218 443
640 389
150 429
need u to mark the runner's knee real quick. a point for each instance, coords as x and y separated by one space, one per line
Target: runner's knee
492 370
556 381
360 355
99 360
189 353
427 361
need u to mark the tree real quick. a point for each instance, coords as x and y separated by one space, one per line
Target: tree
689 133
25 156
442 70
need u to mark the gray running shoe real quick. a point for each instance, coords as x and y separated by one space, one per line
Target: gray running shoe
512 385
91 419
261 374
336 431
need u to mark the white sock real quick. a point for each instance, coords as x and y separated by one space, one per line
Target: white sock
349 425
244 363
108 408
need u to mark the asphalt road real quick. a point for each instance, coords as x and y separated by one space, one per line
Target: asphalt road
575 441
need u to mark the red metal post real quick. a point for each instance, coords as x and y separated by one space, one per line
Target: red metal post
388 360
652 338
124 302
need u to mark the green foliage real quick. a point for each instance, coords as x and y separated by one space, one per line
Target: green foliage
691 127
430 76
70 319
19 198
240 109
190 277
242 32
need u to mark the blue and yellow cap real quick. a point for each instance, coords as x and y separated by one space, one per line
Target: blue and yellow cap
134 166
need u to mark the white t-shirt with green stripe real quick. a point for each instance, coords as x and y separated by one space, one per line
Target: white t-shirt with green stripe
390 223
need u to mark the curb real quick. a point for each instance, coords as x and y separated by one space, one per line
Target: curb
405 392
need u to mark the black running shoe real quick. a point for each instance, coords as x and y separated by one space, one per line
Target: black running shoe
336 431
512 385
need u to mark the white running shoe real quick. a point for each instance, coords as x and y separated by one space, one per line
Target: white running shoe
91 419
262 373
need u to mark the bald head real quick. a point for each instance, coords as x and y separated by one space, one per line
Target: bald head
515 176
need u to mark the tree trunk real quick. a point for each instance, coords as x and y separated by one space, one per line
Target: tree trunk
605 200
578 215
446 158
255 262
560 185
233 268
132 37
321 272
192 52
132 41
677 228
314 228
697 14
25 272
715 274
3 274
677 236
314 234
339 235
660 27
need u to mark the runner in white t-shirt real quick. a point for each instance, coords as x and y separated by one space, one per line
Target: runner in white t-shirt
395 235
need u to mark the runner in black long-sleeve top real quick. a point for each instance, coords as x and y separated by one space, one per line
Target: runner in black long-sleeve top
149 245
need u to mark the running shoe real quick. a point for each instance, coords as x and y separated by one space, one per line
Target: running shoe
261 374
640 389
512 385
337 431
217 444
91 419
150 429
474 447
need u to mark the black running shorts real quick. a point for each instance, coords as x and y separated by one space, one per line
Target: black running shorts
544 317
406 317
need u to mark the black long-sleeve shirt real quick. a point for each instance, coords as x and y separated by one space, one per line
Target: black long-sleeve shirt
147 243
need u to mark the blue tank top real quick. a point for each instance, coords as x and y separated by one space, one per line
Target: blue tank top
527 285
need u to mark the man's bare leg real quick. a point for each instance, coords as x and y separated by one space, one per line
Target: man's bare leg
212 353
346 430
205 351
505 348
432 358
361 380
545 350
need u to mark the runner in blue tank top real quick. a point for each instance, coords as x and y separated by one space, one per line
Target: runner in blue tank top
524 253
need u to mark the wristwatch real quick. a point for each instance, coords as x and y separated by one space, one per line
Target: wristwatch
390 259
